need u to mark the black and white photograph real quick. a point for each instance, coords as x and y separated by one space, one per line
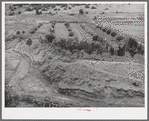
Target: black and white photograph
74 55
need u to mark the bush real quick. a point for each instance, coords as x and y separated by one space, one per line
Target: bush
62 43
86 12
108 31
112 51
93 7
104 29
87 6
132 46
58 9
113 34
81 11
119 38
23 32
71 34
50 37
97 26
67 24
53 26
38 12
121 51
69 7
140 49
18 32
55 9
19 12
29 41
29 9
11 13
95 37
33 30
69 30
100 27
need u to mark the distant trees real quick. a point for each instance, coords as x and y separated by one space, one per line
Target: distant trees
38 12
87 6
93 7
81 11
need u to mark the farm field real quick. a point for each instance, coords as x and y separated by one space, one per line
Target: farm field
59 55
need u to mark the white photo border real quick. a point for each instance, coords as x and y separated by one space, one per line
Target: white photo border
72 113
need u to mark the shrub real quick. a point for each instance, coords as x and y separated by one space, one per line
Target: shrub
29 9
95 37
23 32
11 13
100 39
65 8
97 26
100 27
108 31
121 51
71 34
50 37
87 6
93 7
81 11
67 24
119 38
58 9
86 12
132 46
69 30
29 41
55 9
113 34
18 32
38 12
69 7
33 30
140 49
62 42
53 26
104 29
112 51
19 12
